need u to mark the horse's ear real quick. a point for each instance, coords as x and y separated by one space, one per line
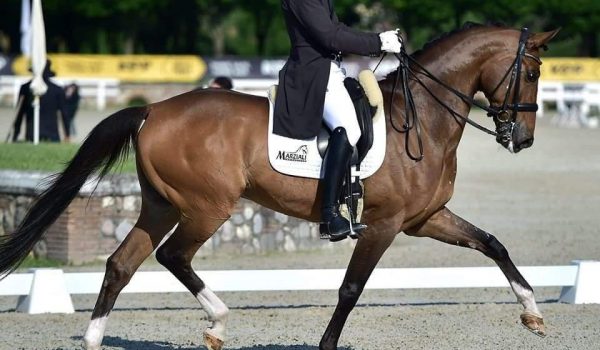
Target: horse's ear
539 40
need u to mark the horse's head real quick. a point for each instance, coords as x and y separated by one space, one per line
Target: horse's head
510 82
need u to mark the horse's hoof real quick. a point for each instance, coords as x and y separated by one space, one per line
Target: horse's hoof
90 347
533 323
212 342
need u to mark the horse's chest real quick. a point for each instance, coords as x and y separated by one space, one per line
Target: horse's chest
433 192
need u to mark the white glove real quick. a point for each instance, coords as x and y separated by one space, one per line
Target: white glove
390 42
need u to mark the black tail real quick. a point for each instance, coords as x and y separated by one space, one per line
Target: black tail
107 144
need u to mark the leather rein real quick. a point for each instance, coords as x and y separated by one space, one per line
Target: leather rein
504 115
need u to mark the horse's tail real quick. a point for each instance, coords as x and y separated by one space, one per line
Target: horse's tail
107 144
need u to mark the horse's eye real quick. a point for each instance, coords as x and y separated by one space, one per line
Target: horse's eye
532 76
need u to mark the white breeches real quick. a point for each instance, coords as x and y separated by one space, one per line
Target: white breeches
339 109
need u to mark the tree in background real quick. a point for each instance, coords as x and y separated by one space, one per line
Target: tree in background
256 28
580 20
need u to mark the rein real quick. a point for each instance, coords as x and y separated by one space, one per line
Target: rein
505 115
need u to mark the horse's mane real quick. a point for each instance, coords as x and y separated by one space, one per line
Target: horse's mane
466 26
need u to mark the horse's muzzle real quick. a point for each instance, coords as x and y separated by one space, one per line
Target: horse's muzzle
521 137
523 144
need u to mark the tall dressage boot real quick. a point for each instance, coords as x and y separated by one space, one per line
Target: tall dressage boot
337 159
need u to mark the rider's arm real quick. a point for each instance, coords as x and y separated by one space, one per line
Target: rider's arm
332 35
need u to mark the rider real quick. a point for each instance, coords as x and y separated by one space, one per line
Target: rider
311 85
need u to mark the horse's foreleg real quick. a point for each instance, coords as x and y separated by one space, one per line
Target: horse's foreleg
368 251
176 255
447 227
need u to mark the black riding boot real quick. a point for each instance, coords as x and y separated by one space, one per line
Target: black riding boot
337 159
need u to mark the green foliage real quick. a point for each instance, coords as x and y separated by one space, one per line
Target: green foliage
255 27
31 262
137 101
50 157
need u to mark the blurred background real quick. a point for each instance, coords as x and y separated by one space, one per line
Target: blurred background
124 52
542 204
133 52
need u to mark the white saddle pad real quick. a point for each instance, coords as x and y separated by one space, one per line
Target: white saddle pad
301 157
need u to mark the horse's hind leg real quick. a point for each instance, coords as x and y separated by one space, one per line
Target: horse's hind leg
447 227
176 255
157 217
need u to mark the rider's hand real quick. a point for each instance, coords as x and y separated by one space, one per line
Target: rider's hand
390 41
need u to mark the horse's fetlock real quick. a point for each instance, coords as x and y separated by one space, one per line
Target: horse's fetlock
221 315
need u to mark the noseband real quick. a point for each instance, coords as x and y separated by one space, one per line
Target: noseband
504 115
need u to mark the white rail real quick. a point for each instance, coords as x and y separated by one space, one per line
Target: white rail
101 89
580 281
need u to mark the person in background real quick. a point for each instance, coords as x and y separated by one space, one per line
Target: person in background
221 83
71 105
51 102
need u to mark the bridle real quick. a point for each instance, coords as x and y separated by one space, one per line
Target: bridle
508 111
503 115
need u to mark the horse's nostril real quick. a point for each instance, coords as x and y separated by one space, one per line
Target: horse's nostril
525 144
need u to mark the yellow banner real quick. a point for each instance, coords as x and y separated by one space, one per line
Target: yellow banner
570 69
127 68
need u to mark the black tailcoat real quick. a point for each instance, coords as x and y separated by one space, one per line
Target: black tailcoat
315 34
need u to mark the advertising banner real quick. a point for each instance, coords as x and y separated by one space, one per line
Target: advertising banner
570 69
191 69
128 68
244 68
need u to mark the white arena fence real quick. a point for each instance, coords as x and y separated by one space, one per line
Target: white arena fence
49 290
580 98
569 98
101 89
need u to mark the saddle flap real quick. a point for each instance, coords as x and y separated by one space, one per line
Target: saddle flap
288 156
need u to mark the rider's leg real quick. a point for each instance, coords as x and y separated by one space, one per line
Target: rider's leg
339 110
339 115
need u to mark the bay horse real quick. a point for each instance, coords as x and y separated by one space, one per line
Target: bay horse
198 153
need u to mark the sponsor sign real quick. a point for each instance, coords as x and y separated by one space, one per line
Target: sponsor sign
570 69
129 68
191 69
297 156
241 68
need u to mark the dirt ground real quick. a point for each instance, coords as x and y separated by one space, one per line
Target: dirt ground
543 204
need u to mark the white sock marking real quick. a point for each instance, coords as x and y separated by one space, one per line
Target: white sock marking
217 312
525 297
95 333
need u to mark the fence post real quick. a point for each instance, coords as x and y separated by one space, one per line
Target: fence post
101 95
586 289
48 294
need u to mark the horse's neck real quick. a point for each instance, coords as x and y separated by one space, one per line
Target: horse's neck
458 64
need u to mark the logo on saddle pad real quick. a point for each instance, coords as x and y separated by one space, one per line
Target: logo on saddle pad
298 156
